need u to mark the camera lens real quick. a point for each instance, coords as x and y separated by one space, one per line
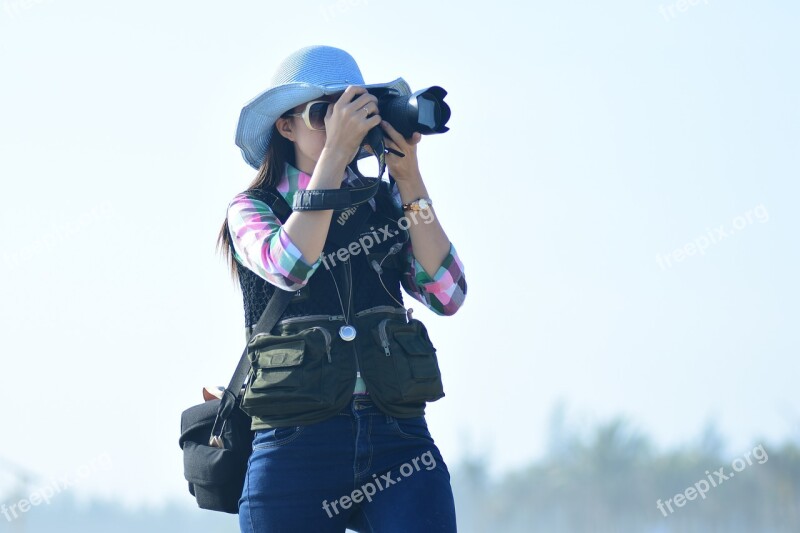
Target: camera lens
427 113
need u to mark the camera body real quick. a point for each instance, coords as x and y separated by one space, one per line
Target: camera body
424 111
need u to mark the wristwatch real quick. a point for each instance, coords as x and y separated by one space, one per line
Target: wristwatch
418 204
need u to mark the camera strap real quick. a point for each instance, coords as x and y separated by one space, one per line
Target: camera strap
341 199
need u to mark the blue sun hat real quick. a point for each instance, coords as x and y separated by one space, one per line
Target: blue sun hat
305 75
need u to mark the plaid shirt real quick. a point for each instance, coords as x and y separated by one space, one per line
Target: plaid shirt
261 244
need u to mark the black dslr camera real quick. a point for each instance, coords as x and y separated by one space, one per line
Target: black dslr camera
424 111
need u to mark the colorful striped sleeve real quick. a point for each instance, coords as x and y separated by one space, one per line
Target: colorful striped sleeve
261 244
445 291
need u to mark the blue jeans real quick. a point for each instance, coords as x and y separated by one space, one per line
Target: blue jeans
360 469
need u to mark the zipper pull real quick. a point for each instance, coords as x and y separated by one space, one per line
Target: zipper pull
327 340
384 336
408 314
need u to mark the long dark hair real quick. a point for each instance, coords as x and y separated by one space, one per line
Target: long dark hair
279 152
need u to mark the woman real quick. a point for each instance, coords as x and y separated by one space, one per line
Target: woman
339 386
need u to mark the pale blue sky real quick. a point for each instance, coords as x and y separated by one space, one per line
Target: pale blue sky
587 138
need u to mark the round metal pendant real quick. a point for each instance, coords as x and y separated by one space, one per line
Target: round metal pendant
347 332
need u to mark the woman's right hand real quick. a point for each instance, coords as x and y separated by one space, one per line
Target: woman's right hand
346 123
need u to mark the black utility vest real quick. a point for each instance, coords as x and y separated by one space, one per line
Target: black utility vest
362 237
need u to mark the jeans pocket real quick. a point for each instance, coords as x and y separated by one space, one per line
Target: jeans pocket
411 428
276 437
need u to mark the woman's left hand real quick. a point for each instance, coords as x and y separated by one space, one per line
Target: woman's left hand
401 168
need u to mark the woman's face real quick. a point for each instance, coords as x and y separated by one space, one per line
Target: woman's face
308 143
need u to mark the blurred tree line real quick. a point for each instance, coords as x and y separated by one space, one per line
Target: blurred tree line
610 479
592 479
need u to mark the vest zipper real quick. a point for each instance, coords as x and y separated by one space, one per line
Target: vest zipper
384 336
327 335
382 309
304 318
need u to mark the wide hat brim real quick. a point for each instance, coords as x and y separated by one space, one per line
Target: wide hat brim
253 134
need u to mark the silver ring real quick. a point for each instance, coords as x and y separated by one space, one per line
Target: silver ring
367 110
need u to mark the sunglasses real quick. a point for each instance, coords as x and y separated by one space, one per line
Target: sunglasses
313 114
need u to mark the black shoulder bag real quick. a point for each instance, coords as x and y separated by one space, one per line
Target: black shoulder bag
216 438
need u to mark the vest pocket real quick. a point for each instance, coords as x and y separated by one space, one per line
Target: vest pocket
407 370
289 374
275 367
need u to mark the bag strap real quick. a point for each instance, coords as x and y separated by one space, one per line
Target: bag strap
269 317
274 200
231 395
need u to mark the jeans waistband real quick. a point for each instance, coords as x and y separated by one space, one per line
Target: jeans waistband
359 405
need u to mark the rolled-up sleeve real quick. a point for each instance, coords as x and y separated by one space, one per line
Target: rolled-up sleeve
445 291
261 244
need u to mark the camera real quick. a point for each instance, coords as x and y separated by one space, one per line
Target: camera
424 111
